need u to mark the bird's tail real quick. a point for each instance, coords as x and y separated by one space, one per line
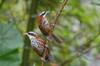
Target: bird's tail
54 38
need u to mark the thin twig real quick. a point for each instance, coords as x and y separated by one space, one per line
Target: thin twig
30 26
42 63
58 15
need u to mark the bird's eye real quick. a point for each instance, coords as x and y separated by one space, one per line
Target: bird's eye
42 13
30 33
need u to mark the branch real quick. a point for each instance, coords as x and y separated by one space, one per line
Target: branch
30 27
58 15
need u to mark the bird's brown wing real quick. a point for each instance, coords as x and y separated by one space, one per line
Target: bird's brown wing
41 41
37 51
45 30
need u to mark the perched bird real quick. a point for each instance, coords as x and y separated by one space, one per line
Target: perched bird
46 27
39 46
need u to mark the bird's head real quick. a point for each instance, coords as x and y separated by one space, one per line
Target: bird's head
32 34
43 14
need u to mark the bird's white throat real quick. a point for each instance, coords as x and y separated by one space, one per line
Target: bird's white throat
31 37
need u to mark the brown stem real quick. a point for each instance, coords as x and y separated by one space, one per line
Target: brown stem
42 63
30 27
58 15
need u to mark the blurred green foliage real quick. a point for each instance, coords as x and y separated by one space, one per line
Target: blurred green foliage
78 26
10 42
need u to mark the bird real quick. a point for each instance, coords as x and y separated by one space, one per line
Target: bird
46 27
39 46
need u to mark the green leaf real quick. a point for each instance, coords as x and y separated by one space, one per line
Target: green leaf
10 41
10 59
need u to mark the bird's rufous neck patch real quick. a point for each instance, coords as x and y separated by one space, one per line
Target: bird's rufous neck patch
40 19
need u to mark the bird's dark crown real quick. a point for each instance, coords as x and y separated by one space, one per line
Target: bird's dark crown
32 33
43 13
